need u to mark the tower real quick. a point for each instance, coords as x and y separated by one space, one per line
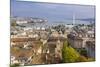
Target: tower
73 19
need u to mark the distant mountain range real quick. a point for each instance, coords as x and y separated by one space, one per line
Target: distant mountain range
88 19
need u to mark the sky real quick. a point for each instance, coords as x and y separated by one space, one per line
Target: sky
51 11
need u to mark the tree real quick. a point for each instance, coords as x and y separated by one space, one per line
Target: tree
13 24
69 54
15 65
82 59
60 28
83 52
91 59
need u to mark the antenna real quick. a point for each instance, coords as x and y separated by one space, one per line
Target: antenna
73 19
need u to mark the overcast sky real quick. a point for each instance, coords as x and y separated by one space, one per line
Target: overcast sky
51 11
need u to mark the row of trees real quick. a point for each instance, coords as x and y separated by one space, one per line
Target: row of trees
60 28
